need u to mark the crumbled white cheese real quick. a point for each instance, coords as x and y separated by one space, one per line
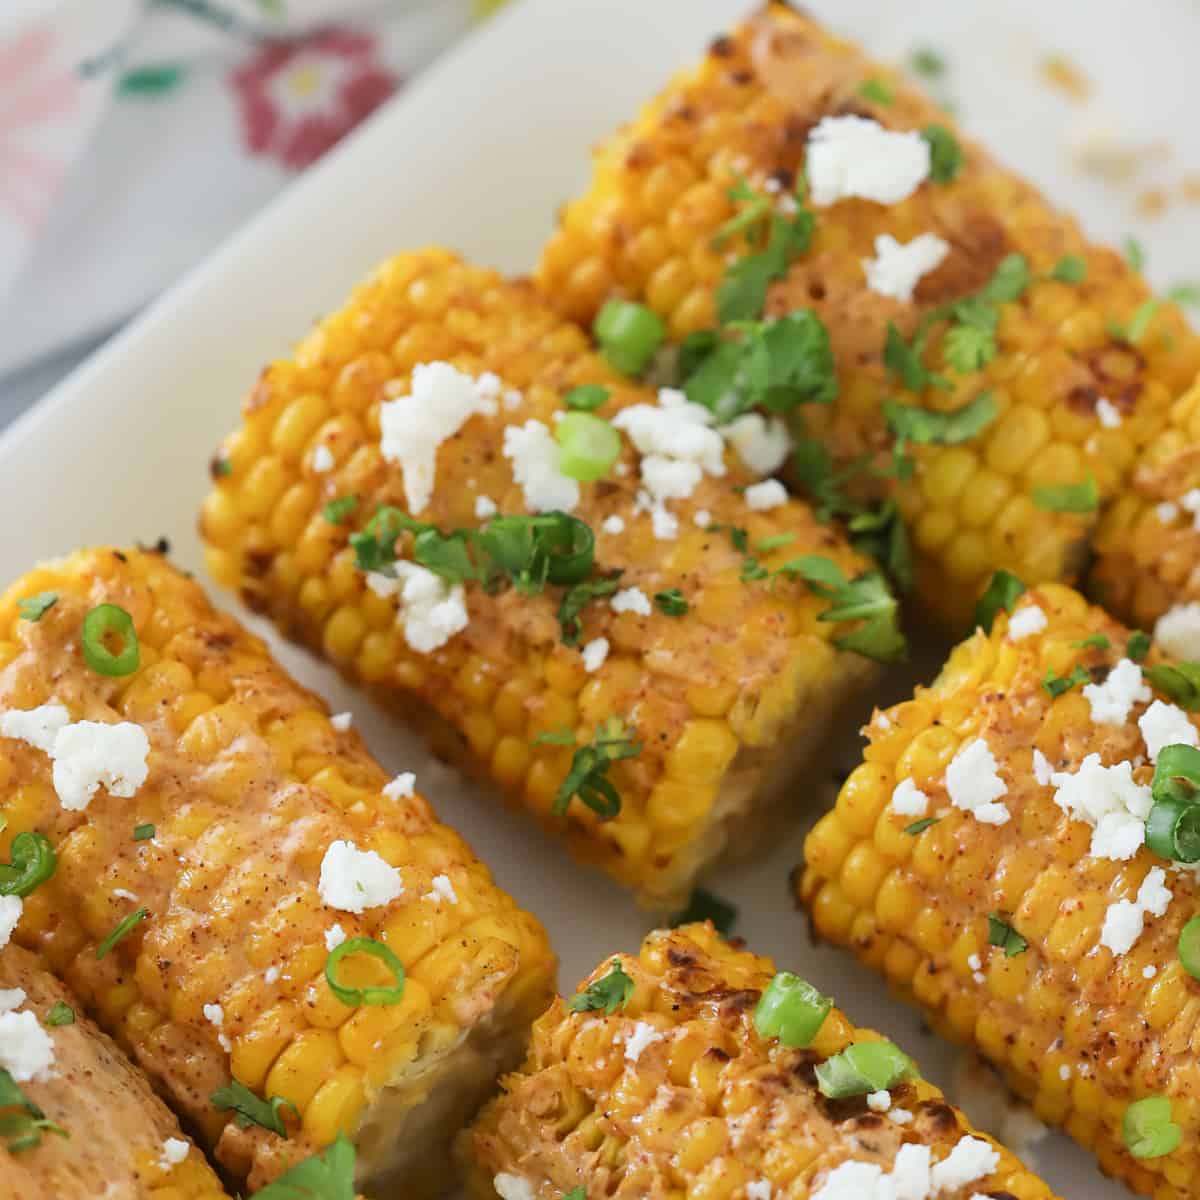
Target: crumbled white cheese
174 1151
271 975
1149 971
665 524
1064 1073
759 1189
898 267
879 1101
535 458
1108 413
441 400
1178 631
910 1173
11 998
86 755
1167 511
442 889
214 1014
513 1187
1042 770
10 914
1025 622
702 518
432 611
908 800
124 894
1112 700
594 654
631 599
974 785
335 935
341 721
1108 799
26 1051
901 1116
851 1181
485 507
1125 920
642 1035
403 785
974 962
1190 501
1165 724
613 525
322 459
36 726
971 1159
354 879
855 156
761 497
678 447
762 444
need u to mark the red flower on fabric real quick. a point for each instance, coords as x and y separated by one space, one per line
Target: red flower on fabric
298 98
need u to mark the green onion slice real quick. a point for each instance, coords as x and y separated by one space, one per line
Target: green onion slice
1189 947
791 1010
1173 830
587 397
105 623
628 334
862 1068
122 931
143 833
1003 935
1148 1129
354 997
33 862
588 445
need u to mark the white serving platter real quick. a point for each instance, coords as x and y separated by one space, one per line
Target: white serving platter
477 155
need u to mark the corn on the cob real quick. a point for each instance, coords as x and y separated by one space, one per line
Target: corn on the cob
1148 541
111 1135
722 697
661 193
193 908
1014 935
676 1094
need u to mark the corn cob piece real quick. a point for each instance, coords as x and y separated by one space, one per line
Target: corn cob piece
1148 542
675 1093
1013 934
723 699
117 1138
661 193
198 899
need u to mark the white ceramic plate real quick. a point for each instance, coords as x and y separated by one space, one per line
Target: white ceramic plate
477 155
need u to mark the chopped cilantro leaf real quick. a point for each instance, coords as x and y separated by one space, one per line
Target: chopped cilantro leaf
738 536
1138 645
586 398
123 929
1186 295
945 154
703 905
1009 282
34 608
920 826
60 1014
1003 935
1098 641
1068 497
1135 253
324 1176
671 602
1002 592
22 1130
1180 681
926 426
336 511
143 833
1140 321
1056 685
1071 268
587 777
608 993
928 62
878 91
250 1109
576 599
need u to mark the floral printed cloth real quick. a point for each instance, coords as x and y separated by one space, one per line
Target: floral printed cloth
136 134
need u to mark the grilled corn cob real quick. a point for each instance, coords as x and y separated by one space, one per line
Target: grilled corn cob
189 800
675 1093
723 682
111 1135
1083 369
1148 542
987 856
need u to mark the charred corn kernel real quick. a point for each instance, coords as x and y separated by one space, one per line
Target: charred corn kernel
712 695
1148 544
687 1099
659 194
116 1129
1081 1025
245 801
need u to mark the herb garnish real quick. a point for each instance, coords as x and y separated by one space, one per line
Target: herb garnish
610 992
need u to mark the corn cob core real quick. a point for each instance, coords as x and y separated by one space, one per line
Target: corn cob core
1147 545
1077 1031
659 194
248 786
704 1111
716 697
117 1127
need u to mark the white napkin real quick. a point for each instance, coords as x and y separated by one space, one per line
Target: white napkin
136 134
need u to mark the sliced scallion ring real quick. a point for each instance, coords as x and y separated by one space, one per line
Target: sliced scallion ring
862 1068
33 862
108 623
1148 1130
628 334
588 446
1189 947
